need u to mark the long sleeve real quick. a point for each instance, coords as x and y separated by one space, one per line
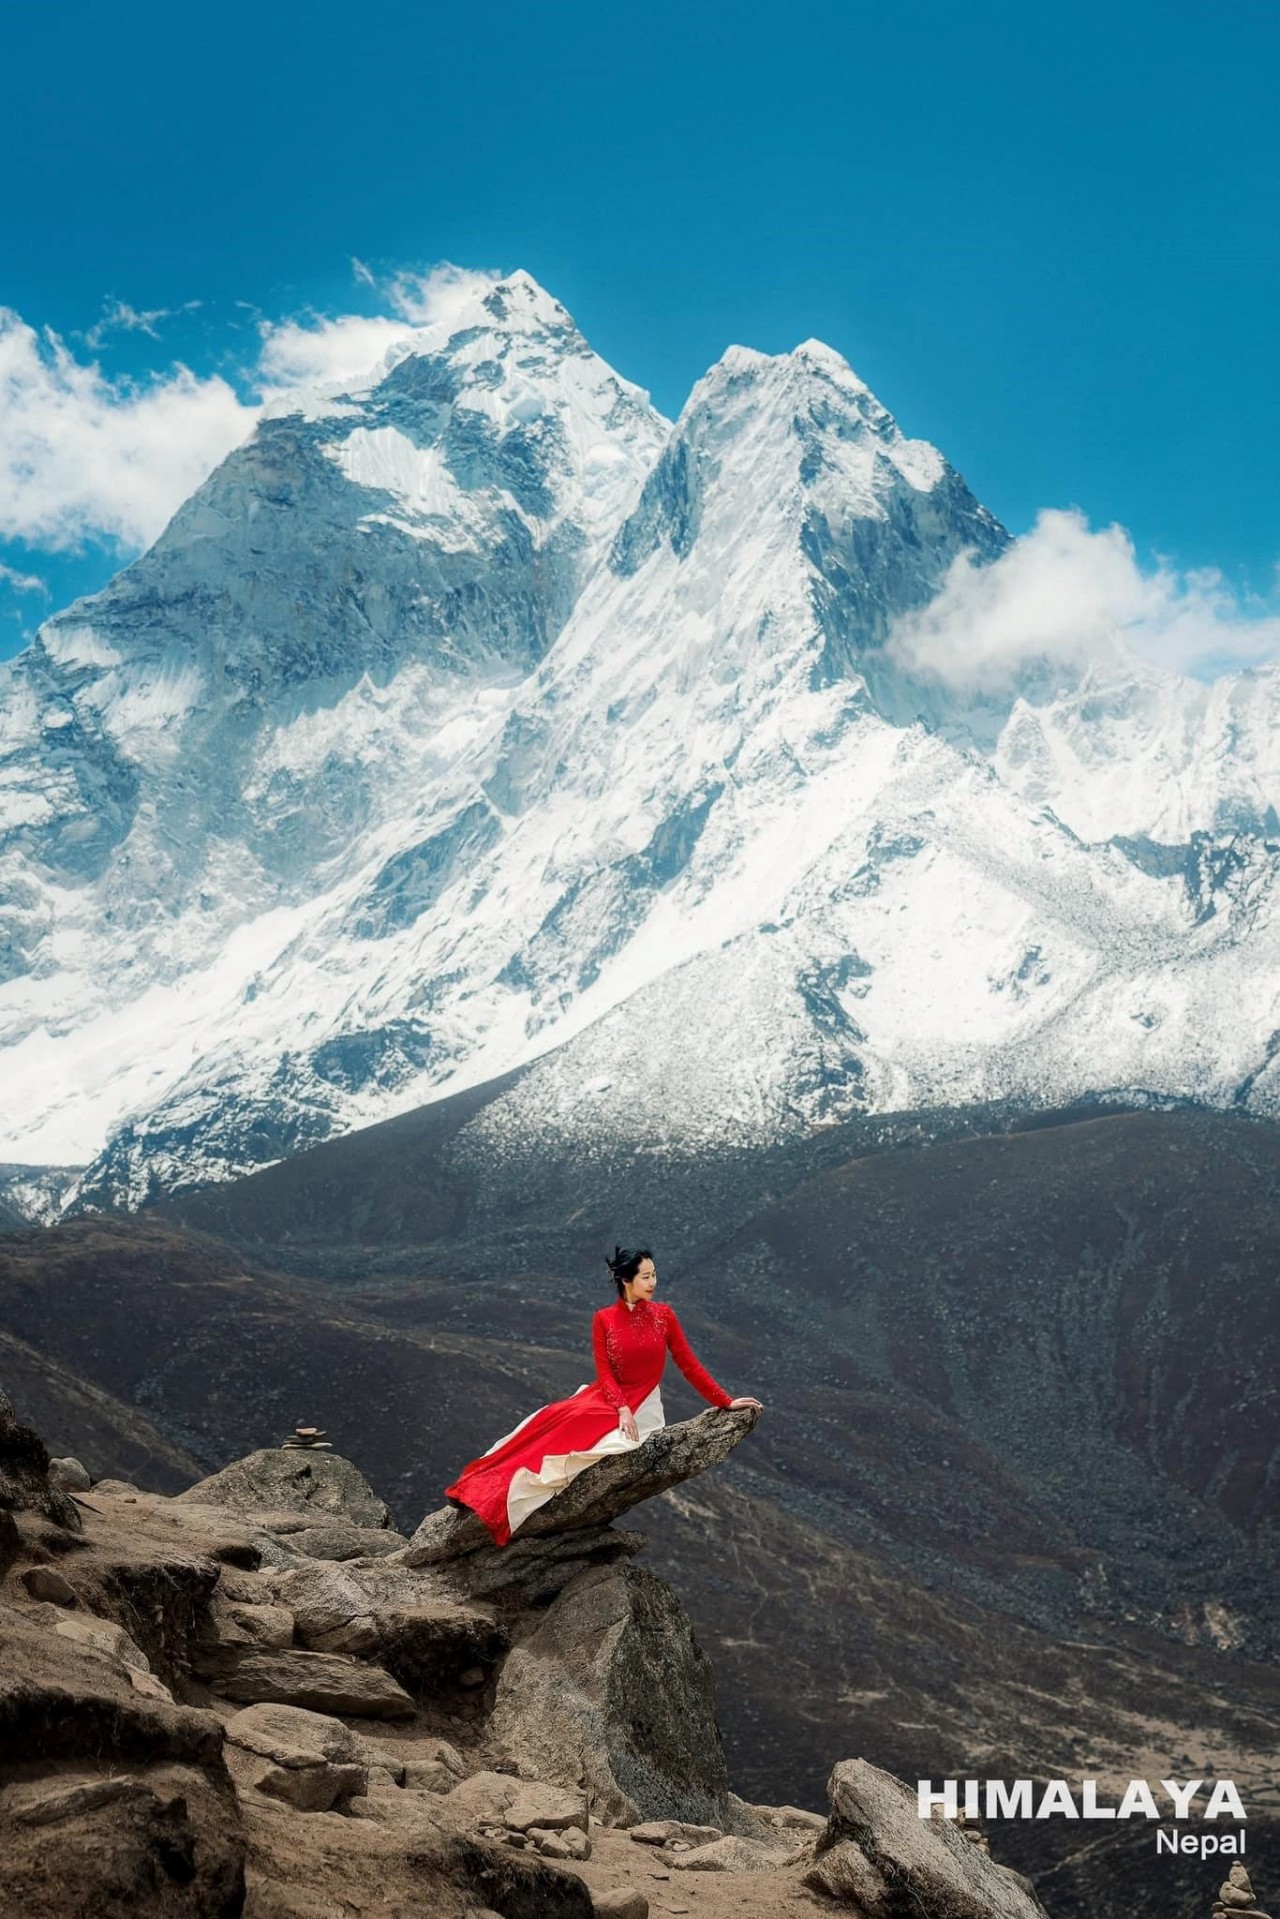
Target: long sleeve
606 1378
690 1365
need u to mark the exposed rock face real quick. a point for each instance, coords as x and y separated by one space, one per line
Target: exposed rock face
163 1843
878 1855
25 1481
604 1685
111 1802
280 1479
322 1682
542 1700
610 1680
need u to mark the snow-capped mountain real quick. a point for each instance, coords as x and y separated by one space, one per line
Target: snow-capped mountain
479 718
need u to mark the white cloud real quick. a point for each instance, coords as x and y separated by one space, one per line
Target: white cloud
440 296
119 317
85 455
21 582
328 354
1066 598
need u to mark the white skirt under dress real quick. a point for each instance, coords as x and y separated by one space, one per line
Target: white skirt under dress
529 1490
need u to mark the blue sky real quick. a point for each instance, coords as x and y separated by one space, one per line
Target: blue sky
1048 238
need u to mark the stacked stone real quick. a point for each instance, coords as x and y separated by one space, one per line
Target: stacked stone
307 1439
1236 1896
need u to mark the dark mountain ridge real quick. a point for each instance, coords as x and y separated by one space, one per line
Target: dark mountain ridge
1011 1508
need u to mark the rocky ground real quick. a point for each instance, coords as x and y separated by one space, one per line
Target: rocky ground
258 1698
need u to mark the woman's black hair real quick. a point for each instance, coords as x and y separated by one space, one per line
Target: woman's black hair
625 1265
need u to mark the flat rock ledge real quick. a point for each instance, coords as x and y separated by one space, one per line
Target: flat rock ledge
603 1493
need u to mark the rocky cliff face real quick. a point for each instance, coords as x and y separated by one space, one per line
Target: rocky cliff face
257 1698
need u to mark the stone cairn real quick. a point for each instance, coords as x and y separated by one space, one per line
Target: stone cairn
1236 1896
307 1439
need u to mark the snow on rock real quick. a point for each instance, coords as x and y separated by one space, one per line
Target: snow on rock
479 718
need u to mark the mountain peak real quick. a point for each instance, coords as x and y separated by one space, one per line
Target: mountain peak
744 363
818 354
519 300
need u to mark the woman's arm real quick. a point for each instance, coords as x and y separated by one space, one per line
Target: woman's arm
691 1366
606 1379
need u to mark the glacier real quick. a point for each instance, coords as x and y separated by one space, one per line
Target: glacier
480 718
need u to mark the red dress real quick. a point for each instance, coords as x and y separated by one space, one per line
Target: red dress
524 1469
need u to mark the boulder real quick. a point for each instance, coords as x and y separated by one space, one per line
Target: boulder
844 1872
527 1572
429 1644
439 1769
548 1808
25 1483
315 1787
104 1636
280 1733
320 1682
60 1701
70 1475
661 1832
602 1493
608 1682
46 1582
321 1598
160 1842
261 1625
922 1864
619 1902
549 1843
498 1799
431 1648
282 1479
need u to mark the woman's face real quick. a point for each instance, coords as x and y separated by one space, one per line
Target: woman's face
645 1281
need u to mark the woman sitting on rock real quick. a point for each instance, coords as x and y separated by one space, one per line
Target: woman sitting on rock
630 1340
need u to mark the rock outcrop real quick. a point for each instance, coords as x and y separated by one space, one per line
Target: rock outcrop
880 1857
604 1685
202 1717
281 1479
26 1484
595 1498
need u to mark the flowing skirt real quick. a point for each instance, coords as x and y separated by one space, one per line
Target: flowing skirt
538 1458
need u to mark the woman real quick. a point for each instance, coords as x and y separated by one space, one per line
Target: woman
630 1341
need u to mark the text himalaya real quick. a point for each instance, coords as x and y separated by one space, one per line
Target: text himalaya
1016 1799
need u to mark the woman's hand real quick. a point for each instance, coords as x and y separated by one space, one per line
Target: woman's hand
627 1423
746 1400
